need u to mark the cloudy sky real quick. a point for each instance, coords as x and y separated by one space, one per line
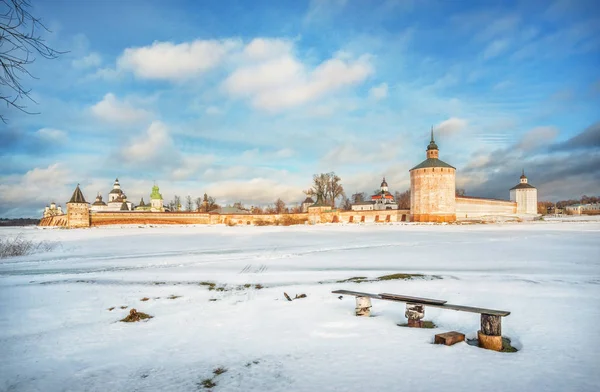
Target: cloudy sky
246 100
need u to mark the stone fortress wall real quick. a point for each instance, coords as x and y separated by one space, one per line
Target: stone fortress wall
478 208
433 199
315 216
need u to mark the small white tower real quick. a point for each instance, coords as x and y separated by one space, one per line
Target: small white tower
525 195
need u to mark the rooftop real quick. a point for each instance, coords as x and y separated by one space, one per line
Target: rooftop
522 185
77 196
432 162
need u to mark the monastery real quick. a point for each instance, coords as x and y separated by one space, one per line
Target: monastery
432 199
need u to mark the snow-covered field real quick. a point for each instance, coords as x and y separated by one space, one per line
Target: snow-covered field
57 334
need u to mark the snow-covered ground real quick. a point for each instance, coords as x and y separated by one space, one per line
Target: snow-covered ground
56 332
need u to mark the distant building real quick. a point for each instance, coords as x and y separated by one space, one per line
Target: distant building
525 195
156 200
53 210
578 209
307 203
117 200
363 206
382 200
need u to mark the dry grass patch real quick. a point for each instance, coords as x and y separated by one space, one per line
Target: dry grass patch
19 246
144 299
135 316
208 383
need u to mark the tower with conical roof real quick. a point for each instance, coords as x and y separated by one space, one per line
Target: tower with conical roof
78 210
525 195
433 188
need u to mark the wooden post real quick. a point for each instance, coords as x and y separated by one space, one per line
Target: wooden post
415 313
363 306
490 336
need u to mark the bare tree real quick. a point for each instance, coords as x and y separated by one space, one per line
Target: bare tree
176 203
327 188
257 210
347 206
297 209
358 197
20 40
403 199
460 191
189 203
198 202
334 188
239 205
279 206
319 188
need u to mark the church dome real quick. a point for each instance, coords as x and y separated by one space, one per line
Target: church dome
432 146
384 183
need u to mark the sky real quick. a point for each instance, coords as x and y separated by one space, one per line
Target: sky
247 100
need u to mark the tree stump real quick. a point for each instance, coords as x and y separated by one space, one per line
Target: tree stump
363 306
415 313
490 336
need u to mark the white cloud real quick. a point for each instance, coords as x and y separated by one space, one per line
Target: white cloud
379 92
283 81
169 61
154 145
537 137
189 166
90 61
451 125
36 186
495 48
348 153
256 155
110 109
255 191
284 153
213 111
264 48
52 135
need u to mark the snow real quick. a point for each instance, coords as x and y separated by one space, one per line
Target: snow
56 333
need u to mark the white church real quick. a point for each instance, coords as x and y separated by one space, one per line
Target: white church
117 200
382 200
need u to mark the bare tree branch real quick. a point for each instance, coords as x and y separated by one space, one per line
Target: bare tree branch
19 42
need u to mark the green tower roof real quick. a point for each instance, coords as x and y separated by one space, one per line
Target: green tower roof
155 195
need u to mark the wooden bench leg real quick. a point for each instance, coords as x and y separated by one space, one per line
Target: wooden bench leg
415 313
363 306
490 335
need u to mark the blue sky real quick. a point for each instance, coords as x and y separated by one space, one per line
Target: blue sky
247 100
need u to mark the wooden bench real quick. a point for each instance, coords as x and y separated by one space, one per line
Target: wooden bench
490 335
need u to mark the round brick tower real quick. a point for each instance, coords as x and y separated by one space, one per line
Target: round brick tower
433 189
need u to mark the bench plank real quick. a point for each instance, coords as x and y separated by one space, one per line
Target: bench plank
435 303
462 308
407 298
357 294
